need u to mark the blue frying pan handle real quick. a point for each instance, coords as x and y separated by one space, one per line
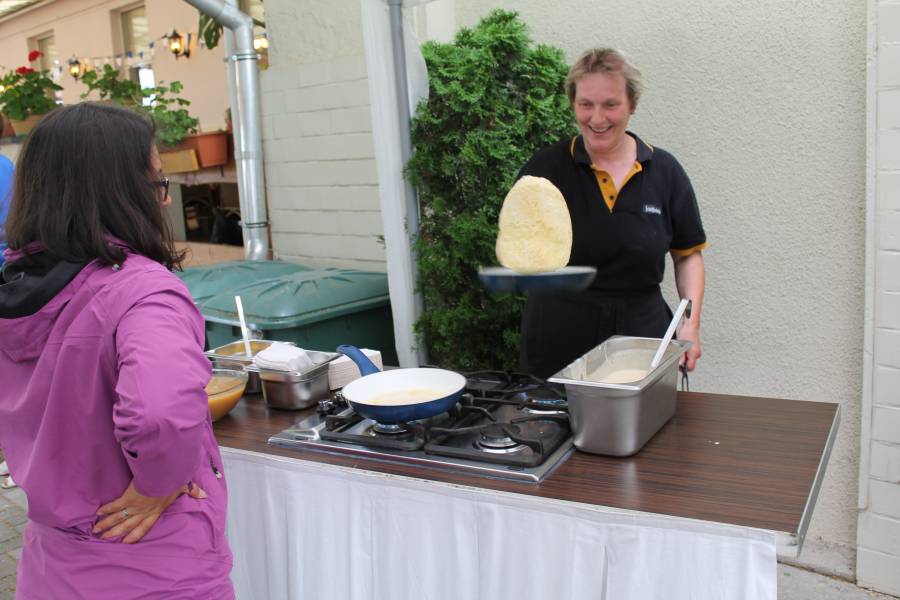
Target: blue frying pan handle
366 366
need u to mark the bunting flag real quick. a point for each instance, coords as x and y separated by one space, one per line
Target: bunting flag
132 58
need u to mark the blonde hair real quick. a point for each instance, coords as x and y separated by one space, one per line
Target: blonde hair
606 60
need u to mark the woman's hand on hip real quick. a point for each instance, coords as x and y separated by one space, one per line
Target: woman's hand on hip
691 334
133 515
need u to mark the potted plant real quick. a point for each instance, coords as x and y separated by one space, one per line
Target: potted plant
169 112
26 95
175 127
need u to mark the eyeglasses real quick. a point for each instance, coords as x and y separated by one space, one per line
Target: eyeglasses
164 184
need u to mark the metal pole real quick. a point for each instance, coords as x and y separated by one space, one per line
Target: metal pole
248 141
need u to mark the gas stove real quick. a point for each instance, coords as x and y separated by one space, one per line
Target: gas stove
506 425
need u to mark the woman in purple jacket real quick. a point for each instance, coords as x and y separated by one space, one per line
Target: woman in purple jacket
103 417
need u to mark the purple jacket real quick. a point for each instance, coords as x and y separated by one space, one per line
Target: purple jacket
102 384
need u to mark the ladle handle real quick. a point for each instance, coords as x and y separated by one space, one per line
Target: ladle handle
684 307
245 333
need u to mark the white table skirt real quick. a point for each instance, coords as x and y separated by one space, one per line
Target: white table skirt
314 531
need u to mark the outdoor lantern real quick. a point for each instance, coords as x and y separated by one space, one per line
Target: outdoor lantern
179 45
261 43
76 68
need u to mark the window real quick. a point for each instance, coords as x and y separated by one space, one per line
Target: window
135 32
136 39
48 60
47 47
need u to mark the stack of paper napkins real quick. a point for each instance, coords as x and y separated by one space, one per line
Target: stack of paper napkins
283 357
342 370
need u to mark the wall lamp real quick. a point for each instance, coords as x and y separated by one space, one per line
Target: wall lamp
179 45
261 43
76 68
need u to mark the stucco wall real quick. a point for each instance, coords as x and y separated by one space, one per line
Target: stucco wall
321 181
764 104
84 28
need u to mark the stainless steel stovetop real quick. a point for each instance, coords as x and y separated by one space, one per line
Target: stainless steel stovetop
506 426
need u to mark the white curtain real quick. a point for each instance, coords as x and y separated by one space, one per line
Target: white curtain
308 530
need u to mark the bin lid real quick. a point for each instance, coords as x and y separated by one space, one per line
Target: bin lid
300 298
209 280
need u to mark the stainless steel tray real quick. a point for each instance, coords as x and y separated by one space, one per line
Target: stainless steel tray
294 390
617 419
232 356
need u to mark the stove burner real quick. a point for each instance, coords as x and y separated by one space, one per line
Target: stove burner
495 439
388 428
500 444
537 407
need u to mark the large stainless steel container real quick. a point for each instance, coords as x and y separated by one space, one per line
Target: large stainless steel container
232 356
293 390
617 419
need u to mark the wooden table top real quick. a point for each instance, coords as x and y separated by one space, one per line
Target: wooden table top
729 459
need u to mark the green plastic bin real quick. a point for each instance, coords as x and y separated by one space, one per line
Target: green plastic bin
209 280
315 309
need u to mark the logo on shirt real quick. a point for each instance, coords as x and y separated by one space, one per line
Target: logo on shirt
652 210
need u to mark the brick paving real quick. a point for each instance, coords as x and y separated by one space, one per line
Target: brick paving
12 524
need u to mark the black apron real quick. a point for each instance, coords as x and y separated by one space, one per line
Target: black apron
558 329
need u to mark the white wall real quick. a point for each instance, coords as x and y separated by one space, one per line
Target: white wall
764 104
878 558
321 181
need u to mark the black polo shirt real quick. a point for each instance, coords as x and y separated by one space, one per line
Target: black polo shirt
626 234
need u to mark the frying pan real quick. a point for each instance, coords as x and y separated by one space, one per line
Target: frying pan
378 395
567 279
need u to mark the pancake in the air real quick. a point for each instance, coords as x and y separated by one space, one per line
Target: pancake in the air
535 229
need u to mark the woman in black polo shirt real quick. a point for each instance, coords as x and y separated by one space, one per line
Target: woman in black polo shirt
630 204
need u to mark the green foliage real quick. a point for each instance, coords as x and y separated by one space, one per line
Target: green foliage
162 103
173 121
209 30
110 86
494 99
27 91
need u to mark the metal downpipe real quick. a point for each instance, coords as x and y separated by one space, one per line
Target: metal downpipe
245 114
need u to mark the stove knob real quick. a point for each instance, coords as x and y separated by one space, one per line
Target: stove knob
326 406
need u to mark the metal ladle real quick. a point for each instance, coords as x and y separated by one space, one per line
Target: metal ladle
684 309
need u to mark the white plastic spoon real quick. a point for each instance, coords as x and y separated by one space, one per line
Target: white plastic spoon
683 307
244 332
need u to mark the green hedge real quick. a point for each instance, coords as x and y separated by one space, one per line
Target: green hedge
494 98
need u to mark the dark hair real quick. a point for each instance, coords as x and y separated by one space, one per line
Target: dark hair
84 175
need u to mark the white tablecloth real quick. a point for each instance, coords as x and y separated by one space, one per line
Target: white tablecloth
308 530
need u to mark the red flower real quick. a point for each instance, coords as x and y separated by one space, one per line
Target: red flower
34 55
24 70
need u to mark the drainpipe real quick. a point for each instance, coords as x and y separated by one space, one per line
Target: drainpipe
245 111
228 39
400 85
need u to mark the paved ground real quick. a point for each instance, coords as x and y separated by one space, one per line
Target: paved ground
12 524
793 583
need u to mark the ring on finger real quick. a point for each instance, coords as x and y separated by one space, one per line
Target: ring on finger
125 513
